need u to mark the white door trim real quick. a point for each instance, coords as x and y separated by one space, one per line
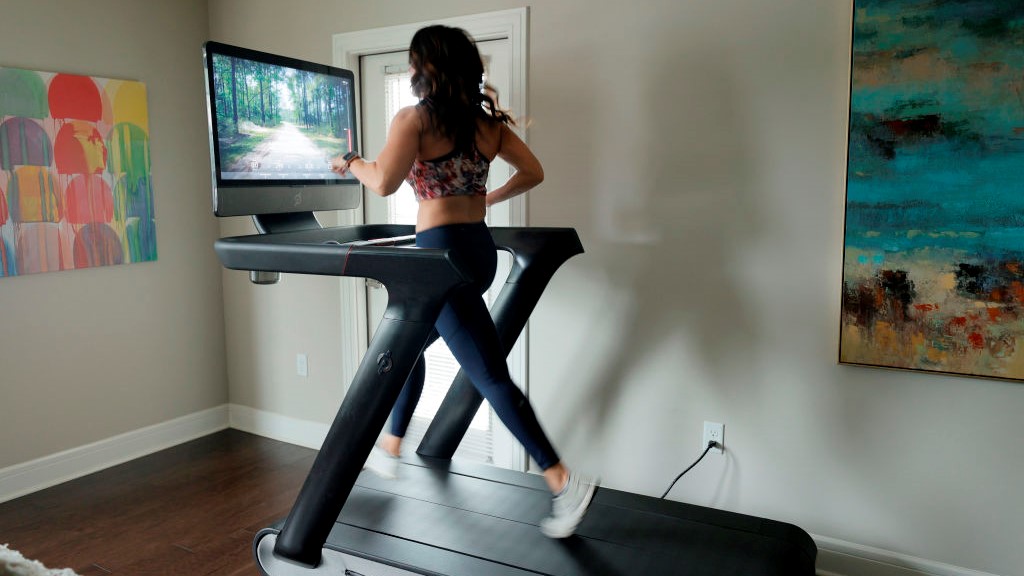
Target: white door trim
348 47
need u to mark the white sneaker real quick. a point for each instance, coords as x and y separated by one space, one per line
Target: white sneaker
568 508
382 464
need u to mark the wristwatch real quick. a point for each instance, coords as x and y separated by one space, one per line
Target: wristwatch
348 158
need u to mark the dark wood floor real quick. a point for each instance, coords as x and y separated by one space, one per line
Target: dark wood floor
190 510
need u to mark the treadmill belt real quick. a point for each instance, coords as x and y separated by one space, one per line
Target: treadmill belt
460 519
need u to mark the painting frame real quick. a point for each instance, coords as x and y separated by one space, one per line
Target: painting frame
933 247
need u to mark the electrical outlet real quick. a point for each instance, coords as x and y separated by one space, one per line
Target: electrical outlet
302 365
714 431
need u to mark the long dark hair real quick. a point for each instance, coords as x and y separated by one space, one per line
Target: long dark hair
448 77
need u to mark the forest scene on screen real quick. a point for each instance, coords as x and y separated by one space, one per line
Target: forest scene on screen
276 122
933 271
75 176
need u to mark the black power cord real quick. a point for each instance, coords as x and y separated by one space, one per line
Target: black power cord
711 444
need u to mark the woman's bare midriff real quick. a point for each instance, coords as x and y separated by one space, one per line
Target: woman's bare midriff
450 210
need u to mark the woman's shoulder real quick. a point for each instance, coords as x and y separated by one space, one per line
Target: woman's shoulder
489 126
411 114
489 136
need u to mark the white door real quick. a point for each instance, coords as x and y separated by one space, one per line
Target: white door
385 85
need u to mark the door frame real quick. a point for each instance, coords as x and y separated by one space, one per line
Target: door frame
348 48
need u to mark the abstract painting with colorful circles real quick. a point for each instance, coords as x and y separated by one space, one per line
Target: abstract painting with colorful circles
75 178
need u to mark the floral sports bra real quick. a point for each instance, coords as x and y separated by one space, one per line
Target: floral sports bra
457 173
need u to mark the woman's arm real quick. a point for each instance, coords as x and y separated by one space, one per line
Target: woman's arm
384 175
528 171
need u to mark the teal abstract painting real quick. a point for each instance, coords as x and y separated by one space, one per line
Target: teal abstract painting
933 259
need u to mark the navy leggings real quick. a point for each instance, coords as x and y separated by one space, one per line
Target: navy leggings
467 328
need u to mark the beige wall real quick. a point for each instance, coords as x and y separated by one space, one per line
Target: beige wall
699 148
89 354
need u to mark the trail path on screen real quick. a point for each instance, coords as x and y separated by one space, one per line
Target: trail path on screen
287 146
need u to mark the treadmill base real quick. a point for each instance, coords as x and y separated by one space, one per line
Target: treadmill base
455 518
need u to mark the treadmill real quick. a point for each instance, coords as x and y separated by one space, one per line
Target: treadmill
447 517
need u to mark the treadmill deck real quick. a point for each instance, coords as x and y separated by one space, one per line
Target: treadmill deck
464 519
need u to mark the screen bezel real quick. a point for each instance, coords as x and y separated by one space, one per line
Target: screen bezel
239 197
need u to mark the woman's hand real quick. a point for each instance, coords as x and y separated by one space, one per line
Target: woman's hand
340 164
337 165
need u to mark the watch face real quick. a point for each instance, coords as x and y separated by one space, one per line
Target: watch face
350 156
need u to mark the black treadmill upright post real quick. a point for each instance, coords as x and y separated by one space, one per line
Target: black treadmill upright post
537 254
389 359
416 293
417 281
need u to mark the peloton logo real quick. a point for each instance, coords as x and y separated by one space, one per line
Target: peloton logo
384 363
297 199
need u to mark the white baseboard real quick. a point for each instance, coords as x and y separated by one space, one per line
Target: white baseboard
278 427
840 558
54 469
